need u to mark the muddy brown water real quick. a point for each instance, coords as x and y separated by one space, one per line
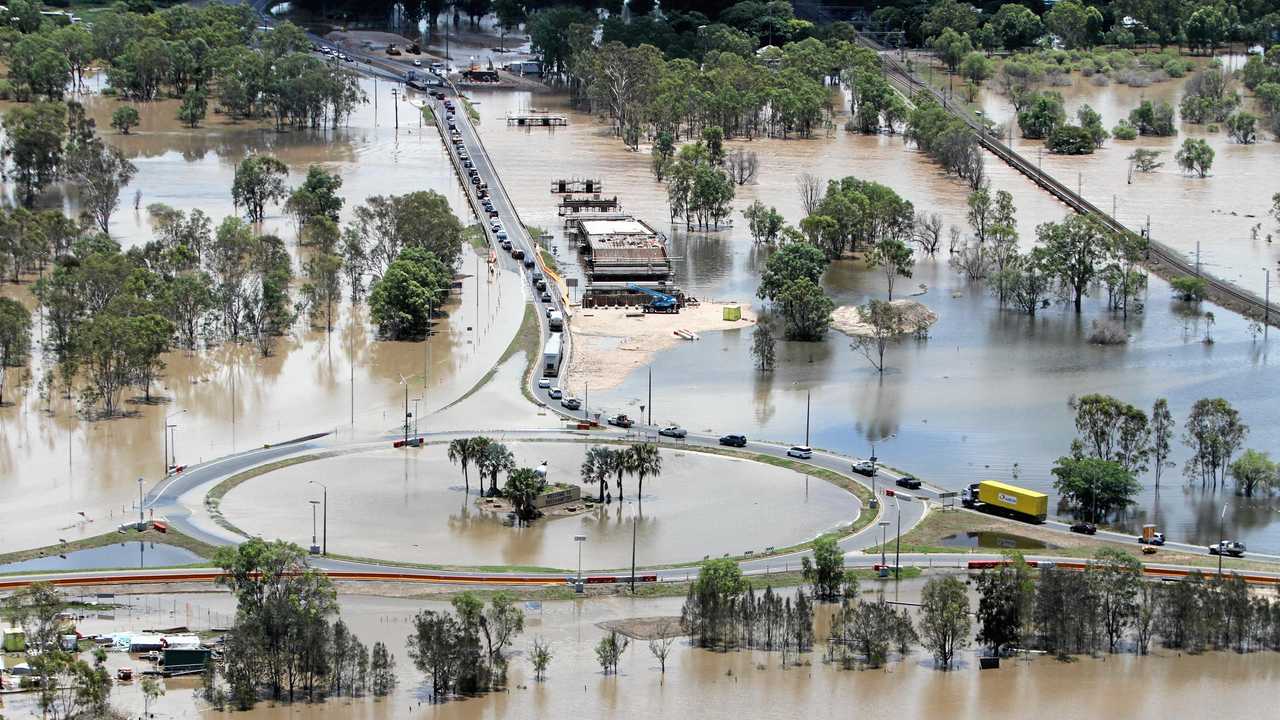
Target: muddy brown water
54 464
415 508
736 684
1218 212
988 389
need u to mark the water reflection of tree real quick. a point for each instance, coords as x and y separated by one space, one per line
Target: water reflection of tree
1242 513
763 396
879 411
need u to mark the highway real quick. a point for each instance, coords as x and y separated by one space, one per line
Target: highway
165 500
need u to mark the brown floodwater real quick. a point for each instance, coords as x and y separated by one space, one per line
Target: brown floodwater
414 507
730 685
54 464
986 391
1216 214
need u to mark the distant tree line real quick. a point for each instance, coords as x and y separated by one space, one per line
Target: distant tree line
185 52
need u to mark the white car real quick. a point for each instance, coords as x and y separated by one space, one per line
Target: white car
804 452
544 383
555 393
673 431
417 63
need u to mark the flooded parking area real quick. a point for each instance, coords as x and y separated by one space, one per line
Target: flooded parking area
412 506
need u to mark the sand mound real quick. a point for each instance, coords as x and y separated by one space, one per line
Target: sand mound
848 318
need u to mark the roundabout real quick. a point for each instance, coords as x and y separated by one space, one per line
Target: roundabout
411 506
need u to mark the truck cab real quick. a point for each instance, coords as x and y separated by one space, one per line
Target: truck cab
1232 548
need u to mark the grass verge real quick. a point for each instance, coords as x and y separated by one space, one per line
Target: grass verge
927 538
173 537
471 109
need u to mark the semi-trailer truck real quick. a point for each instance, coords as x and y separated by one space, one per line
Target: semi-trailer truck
1027 504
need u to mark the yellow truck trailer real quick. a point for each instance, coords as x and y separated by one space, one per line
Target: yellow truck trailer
1028 504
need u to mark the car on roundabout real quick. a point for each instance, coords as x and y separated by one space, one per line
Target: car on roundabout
909 482
555 393
1231 548
734 440
673 431
803 452
571 403
1084 528
864 467
621 421
544 383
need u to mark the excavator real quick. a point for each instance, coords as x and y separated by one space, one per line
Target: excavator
661 302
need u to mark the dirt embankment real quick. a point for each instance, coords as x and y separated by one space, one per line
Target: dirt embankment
609 344
915 316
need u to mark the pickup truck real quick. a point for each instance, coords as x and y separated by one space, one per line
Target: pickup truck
621 421
1227 547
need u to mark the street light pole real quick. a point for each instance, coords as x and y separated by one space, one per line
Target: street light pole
635 520
807 396
650 422
314 548
325 514
141 522
165 429
579 539
884 525
1222 536
415 416
897 542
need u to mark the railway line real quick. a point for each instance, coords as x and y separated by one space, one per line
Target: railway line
1220 290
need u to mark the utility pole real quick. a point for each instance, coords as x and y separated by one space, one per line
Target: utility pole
807 396
415 416
375 100
325 541
1266 300
650 422
635 519
142 523
395 97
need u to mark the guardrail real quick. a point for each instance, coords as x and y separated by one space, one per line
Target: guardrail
907 83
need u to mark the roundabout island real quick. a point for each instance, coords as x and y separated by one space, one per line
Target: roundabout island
412 506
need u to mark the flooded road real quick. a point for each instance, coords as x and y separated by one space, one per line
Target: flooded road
55 466
417 503
988 389
727 685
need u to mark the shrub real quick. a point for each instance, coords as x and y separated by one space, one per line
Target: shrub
1108 332
1174 68
1189 288
1070 140
1124 130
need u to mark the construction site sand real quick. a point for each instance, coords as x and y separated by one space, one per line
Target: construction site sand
609 344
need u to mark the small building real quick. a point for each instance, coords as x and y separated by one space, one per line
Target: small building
15 640
184 661
524 67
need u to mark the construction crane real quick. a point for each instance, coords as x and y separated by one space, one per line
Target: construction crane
661 303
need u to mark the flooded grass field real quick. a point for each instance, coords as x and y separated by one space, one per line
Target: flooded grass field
413 507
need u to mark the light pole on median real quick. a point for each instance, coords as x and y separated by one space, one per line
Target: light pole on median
325 513
141 522
315 549
579 539
884 525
